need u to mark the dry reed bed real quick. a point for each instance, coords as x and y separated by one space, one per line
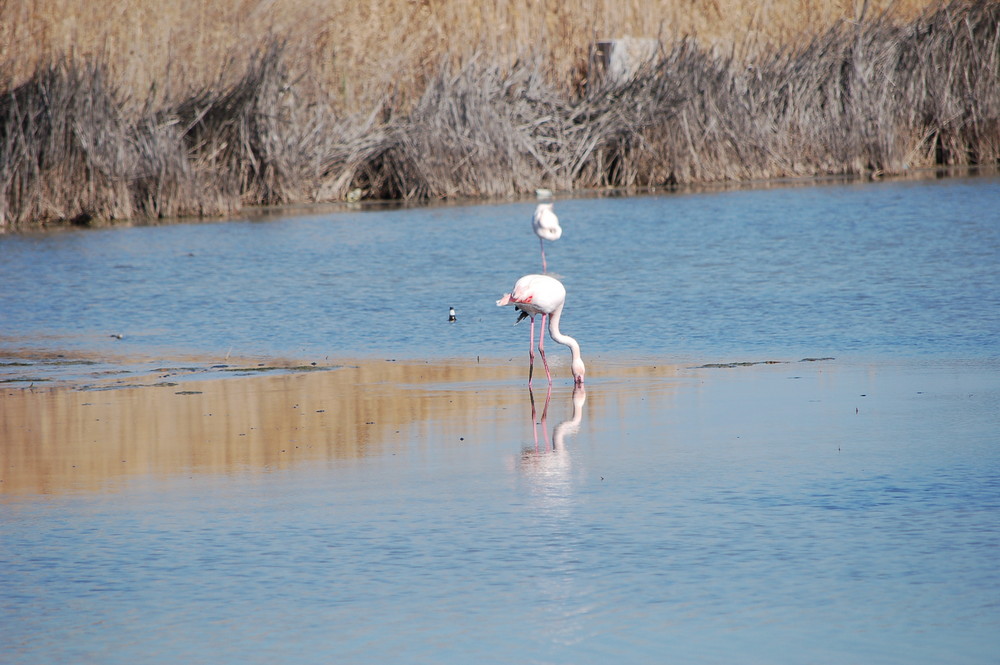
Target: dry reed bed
357 51
869 97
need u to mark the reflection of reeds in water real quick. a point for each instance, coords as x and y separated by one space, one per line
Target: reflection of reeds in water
63 439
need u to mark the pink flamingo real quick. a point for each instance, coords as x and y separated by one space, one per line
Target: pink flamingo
541 294
546 227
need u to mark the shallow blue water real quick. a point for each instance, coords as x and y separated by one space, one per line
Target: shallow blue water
818 513
902 269
844 511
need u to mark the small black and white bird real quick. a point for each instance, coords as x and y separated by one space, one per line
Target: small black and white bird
451 314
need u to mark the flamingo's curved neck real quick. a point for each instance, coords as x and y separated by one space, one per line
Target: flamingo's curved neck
566 340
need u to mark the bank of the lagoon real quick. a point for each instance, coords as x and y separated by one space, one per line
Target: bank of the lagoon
265 113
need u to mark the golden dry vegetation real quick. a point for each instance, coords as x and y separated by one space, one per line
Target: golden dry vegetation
134 109
360 51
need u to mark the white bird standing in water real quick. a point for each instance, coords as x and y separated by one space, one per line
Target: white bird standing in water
541 294
546 227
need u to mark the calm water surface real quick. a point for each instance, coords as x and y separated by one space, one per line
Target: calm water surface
887 268
775 514
842 511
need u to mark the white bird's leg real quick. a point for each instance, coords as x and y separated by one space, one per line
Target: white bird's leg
541 350
531 350
542 244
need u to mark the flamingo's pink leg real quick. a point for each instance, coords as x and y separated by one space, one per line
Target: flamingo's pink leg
542 245
541 349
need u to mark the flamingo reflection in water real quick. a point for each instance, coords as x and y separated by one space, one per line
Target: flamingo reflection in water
564 429
547 468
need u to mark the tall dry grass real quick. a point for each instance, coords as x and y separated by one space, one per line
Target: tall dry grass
193 109
361 51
